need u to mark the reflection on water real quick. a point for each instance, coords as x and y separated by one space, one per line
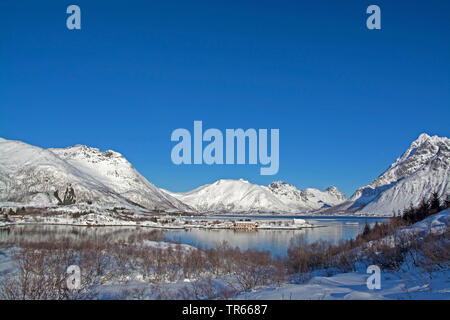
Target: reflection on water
276 241
36 233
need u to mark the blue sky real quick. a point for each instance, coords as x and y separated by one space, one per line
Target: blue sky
348 101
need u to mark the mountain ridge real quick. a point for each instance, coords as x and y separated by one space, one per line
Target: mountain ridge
31 175
228 195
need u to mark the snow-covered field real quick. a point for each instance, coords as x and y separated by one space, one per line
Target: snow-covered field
413 284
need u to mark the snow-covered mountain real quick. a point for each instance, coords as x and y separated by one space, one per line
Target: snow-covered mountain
82 175
232 196
421 170
306 200
240 196
44 177
116 173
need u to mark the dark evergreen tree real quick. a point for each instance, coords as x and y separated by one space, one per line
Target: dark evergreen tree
409 213
435 203
366 229
422 211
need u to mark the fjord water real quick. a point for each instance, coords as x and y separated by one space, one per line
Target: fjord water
331 229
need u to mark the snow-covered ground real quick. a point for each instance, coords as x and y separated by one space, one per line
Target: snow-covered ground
352 286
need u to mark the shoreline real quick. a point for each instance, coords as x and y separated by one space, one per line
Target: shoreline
170 222
158 227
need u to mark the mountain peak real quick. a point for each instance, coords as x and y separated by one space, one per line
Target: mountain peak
332 189
90 154
230 181
424 138
278 184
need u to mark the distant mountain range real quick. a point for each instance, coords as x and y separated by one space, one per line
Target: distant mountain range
84 176
242 196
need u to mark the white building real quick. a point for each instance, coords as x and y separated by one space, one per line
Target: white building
299 221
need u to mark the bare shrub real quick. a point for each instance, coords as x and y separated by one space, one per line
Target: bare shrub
254 268
41 275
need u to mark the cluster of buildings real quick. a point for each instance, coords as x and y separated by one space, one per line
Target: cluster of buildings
245 225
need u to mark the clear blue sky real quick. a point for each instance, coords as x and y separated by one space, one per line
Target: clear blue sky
348 101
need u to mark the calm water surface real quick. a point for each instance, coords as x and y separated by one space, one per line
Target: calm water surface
276 241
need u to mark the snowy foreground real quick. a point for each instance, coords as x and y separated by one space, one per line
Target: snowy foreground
404 285
352 286
412 280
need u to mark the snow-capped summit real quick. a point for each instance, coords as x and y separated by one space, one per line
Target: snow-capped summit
334 190
421 170
115 172
309 199
421 151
